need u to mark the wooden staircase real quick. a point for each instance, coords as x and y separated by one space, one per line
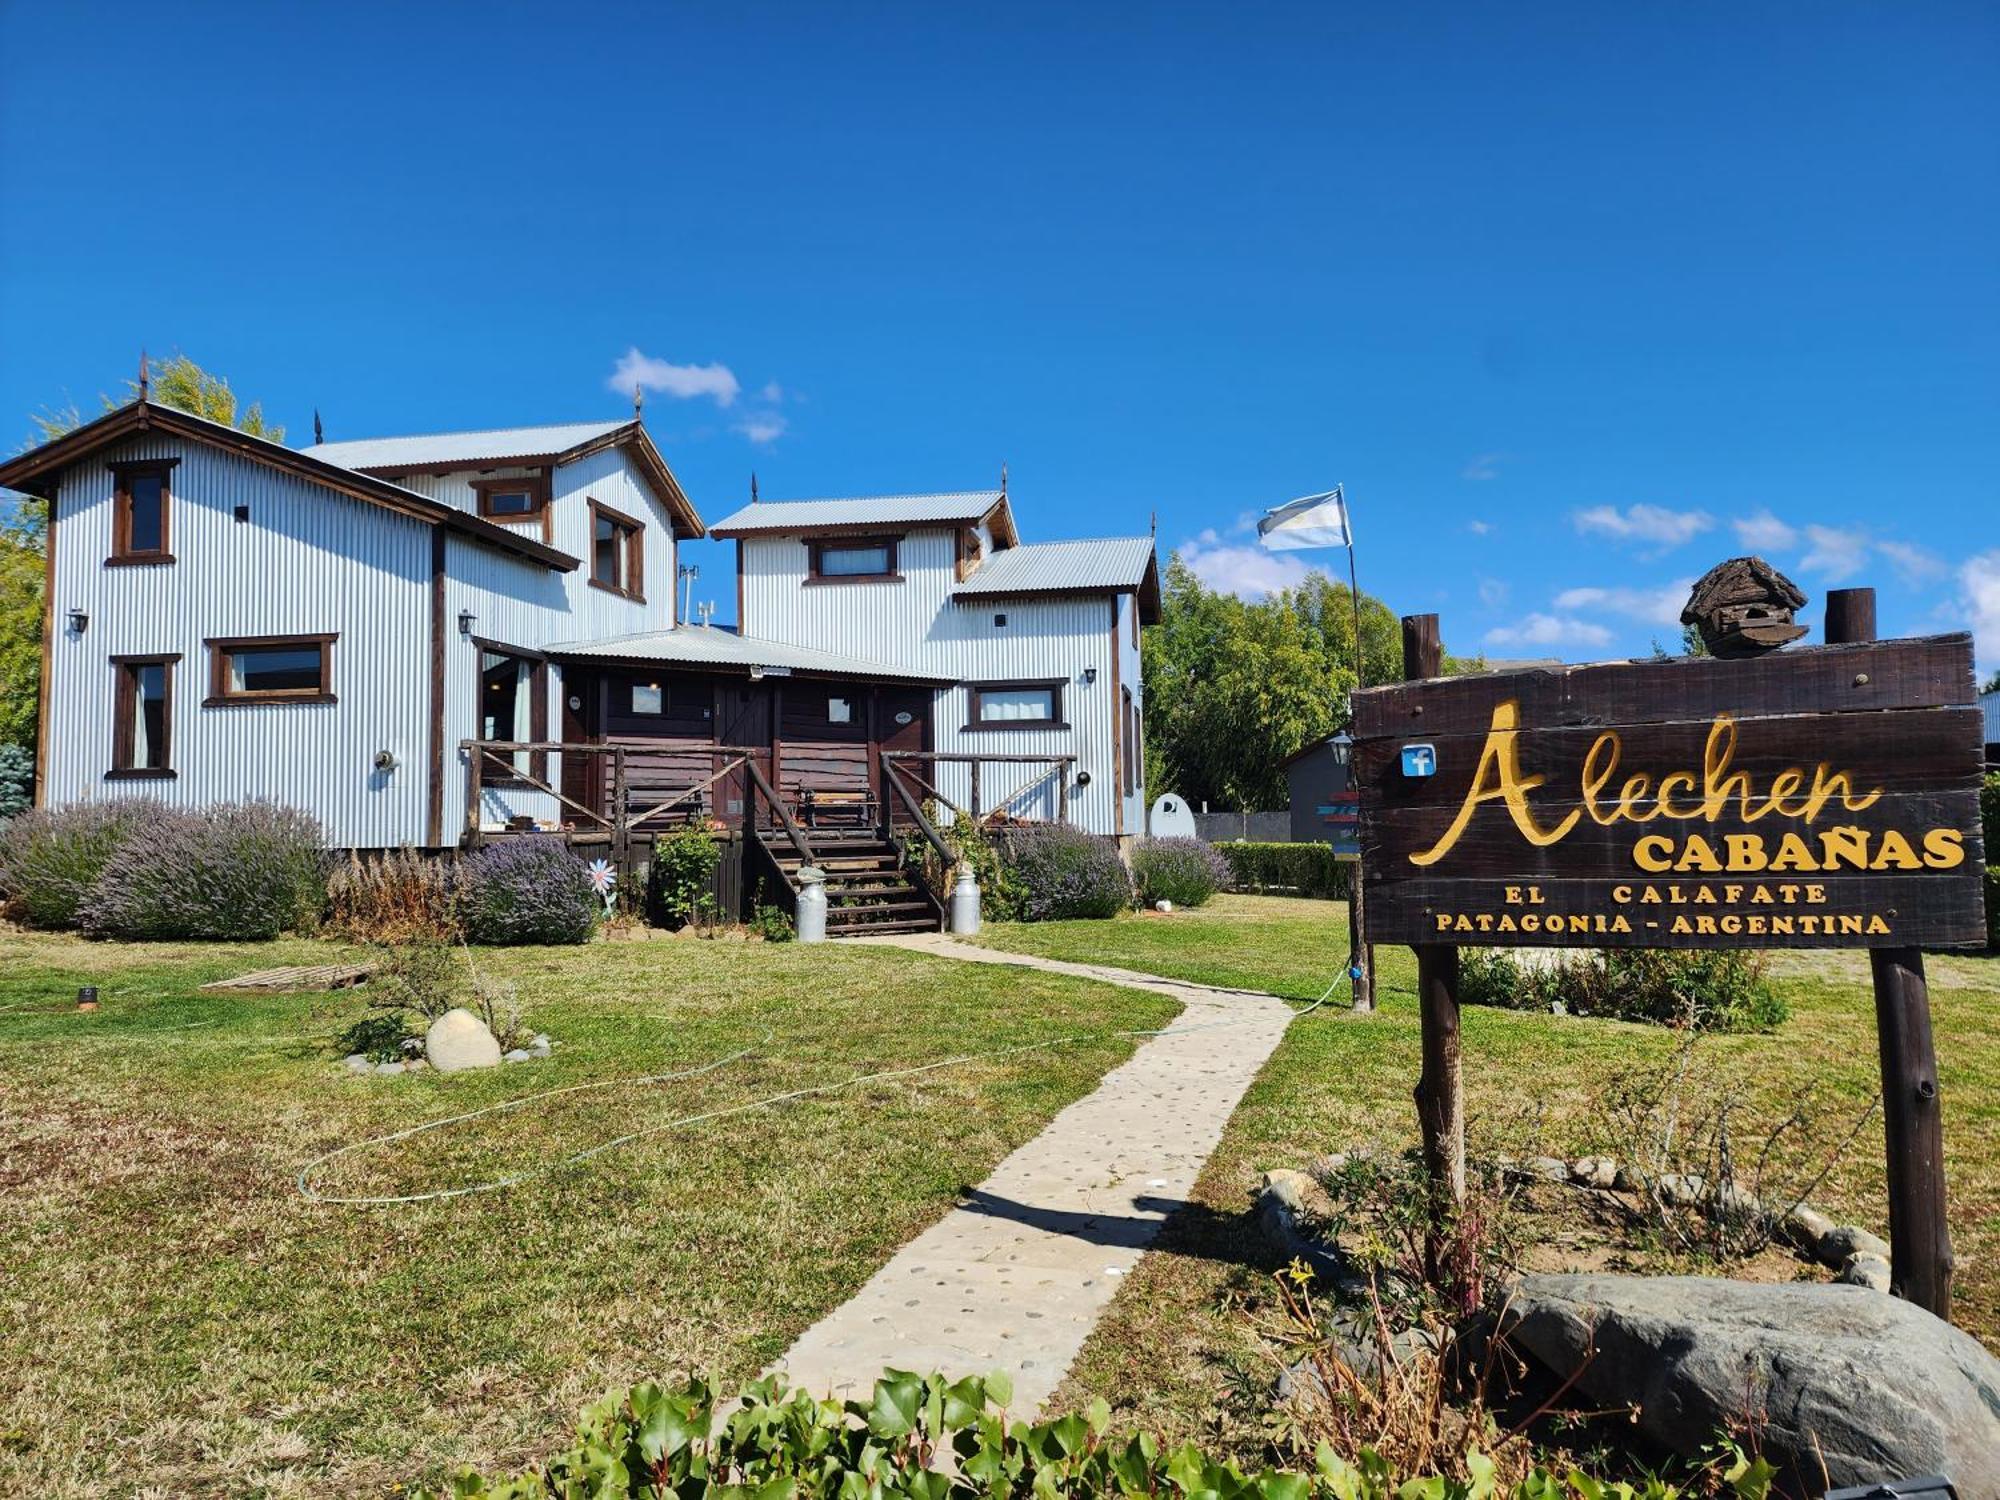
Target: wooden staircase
869 888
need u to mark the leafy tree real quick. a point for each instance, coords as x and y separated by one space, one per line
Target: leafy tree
1992 683
177 382
1234 688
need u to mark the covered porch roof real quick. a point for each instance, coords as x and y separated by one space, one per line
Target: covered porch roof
709 648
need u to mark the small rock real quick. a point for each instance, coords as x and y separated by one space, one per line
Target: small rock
415 1065
1738 1203
1594 1171
519 1054
1850 1239
1863 1269
1627 1180
1163 905
459 1040
539 1047
357 1062
1297 1193
1548 1168
1680 1191
1808 1228
394 1067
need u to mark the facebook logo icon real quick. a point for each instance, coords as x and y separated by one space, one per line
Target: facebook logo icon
1420 760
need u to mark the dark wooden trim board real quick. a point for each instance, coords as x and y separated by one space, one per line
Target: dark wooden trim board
220 647
975 702
48 657
1118 788
124 716
633 586
123 472
536 485
816 547
434 792
742 625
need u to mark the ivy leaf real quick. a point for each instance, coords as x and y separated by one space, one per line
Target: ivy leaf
898 1395
1000 1388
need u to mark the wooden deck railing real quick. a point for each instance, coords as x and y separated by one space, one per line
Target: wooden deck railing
1057 766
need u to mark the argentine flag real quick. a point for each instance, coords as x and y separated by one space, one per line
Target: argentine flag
1314 521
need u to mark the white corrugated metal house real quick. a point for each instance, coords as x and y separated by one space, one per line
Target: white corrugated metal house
369 630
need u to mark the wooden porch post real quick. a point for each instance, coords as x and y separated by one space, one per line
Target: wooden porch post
474 778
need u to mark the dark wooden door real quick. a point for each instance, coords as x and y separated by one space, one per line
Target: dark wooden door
742 719
902 722
582 775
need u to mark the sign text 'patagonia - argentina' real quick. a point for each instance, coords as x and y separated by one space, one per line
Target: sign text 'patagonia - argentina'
1824 797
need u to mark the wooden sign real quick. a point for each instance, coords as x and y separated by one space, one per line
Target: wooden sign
1825 797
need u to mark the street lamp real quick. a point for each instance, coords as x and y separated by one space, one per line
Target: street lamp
1341 748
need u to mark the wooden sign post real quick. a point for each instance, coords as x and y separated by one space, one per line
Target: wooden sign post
1810 798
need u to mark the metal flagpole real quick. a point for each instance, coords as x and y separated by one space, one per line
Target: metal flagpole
1360 957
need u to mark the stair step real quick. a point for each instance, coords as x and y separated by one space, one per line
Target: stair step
872 907
929 925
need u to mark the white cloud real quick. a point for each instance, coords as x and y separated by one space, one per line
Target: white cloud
635 372
1247 572
1913 564
1980 579
1764 532
1492 592
1485 466
1834 554
772 392
1479 528
1654 525
761 426
1655 606
1549 630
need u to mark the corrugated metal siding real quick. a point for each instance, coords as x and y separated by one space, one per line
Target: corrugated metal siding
1111 563
308 560
607 477
916 621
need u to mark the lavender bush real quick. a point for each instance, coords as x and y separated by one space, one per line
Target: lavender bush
527 890
244 871
50 858
1062 872
1184 871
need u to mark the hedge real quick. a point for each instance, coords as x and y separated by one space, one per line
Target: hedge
1293 869
1993 907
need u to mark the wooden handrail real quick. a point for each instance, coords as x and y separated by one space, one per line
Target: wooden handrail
494 749
682 796
785 820
924 826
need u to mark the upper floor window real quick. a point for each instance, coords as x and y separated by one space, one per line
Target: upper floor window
143 716
852 559
140 503
1017 705
521 500
617 552
270 669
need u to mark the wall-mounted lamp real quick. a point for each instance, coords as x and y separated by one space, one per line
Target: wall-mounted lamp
385 760
1083 778
78 620
465 619
1090 674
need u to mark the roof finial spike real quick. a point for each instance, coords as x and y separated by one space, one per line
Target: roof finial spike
753 486
1003 479
145 378
1156 524
319 433
638 403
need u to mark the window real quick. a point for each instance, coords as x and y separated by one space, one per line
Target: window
140 501
647 698
853 559
513 705
617 552
839 711
516 501
969 552
1017 705
1130 749
270 669
143 724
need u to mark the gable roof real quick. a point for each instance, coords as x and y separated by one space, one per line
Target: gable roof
1112 565
713 646
560 443
958 507
37 471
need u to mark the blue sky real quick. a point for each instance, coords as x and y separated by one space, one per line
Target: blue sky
1575 299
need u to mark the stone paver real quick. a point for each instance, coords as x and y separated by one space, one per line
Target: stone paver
1016 1276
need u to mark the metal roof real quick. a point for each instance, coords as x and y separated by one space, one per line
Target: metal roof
710 646
494 445
1103 565
873 510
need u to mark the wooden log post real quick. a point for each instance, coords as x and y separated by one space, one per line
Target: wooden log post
1441 1086
1912 1114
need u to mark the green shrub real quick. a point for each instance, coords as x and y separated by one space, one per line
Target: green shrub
1993 907
17 781
770 922
50 858
1063 872
1714 990
1293 869
930 1438
234 871
680 885
1989 815
527 890
999 896
1184 871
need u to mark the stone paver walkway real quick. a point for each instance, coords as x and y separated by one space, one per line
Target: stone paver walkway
1016 1276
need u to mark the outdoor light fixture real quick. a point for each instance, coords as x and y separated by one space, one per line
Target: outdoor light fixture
86 997
78 620
1090 674
1083 778
465 619
1342 746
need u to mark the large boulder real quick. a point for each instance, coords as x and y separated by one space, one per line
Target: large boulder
459 1040
1874 1386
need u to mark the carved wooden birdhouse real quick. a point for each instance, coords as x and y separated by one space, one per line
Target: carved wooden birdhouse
1744 607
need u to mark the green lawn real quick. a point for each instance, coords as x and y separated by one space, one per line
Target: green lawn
1164 1350
175 1318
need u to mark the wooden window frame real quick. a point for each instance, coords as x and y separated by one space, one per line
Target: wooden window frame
816 548
1128 751
538 712
123 473
976 702
537 485
970 552
635 552
221 648
124 722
